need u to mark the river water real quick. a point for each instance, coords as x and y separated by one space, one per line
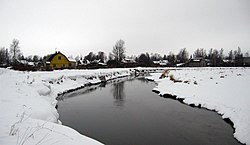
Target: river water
127 112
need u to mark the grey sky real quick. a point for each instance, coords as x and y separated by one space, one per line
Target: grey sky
80 26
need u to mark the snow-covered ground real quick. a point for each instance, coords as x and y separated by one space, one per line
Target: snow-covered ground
225 90
28 99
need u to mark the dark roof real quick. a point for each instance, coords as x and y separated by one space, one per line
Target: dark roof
53 55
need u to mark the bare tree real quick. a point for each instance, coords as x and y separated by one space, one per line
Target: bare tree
90 57
35 58
4 56
221 55
119 51
14 50
200 53
182 55
171 58
164 57
144 60
215 57
101 55
231 56
239 52
246 54
238 57
156 57
210 54
111 57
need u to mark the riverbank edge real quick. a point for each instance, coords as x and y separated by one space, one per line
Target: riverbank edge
133 73
181 100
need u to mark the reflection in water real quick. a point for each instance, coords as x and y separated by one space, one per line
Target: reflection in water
89 89
118 94
142 79
77 92
103 85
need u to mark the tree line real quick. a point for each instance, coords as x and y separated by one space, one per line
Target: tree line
215 57
12 56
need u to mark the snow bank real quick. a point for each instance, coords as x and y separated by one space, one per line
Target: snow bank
28 100
224 90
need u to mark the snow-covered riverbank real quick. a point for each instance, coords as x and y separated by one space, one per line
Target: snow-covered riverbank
225 90
28 100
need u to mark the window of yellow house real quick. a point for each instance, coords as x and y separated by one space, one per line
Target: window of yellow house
59 57
54 65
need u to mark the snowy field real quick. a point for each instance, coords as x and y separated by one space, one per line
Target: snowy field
225 90
28 100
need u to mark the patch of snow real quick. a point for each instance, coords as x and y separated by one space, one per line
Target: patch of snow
180 64
196 60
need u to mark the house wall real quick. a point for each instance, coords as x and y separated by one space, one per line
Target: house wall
72 64
59 61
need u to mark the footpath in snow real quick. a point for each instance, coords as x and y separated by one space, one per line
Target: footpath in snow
224 90
28 100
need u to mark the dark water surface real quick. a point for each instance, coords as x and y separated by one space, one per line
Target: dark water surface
129 113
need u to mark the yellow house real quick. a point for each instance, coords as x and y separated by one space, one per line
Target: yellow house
59 61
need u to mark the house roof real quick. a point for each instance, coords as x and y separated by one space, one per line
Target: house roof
25 62
71 60
197 59
53 55
161 62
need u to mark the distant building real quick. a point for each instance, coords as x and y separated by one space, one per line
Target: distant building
227 63
161 63
25 62
196 62
127 62
59 61
73 63
95 64
246 61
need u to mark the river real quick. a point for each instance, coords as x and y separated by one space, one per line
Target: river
127 112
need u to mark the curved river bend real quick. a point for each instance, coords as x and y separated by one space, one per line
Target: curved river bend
127 112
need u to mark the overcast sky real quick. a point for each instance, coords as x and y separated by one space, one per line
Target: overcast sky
79 26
